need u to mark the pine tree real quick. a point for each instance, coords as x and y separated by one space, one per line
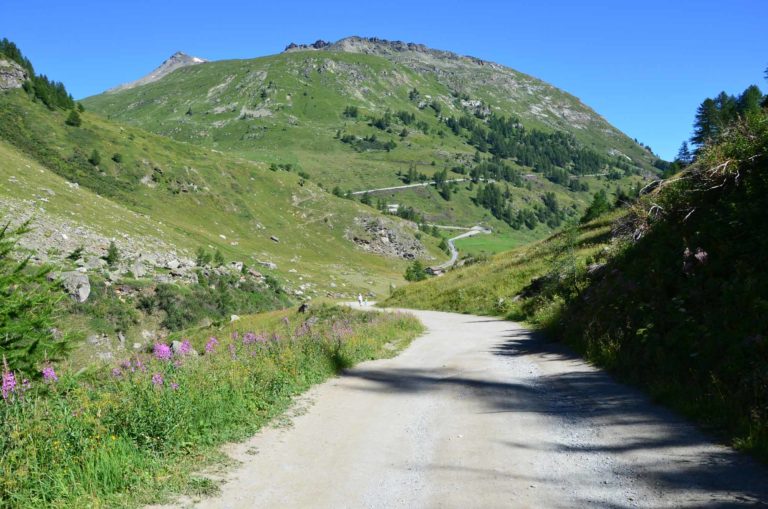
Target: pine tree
28 302
684 155
73 119
218 259
113 255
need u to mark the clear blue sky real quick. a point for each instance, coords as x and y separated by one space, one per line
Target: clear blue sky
644 65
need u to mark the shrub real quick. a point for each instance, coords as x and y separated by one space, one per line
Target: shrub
415 272
73 119
113 255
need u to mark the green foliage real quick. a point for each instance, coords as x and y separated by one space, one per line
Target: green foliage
599 206
113 254
128 441
95 158
202 257
73 119
218 259
714 115
28 306
415 272
76 254
117 157
444 246
351 112
11 51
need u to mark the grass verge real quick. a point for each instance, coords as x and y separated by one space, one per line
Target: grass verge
132 433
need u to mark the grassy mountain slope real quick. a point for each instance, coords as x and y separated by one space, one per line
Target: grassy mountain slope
183 196
670 294
289 109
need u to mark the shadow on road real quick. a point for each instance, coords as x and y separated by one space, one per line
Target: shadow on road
659 449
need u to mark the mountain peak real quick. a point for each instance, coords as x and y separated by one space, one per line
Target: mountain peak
172 63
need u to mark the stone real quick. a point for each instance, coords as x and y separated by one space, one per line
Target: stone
138 269
268 265
173 264
234 318
12 75
176 347
77 285
274 239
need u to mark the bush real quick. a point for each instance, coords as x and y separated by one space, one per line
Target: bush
95 158
415 272
73 119
113 255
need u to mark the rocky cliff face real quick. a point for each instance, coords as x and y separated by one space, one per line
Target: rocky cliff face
176 61
12 75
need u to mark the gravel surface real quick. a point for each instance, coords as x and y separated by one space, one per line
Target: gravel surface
480 412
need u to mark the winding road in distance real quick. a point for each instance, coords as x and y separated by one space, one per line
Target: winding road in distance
483 413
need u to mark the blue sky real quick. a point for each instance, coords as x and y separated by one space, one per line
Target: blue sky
644 65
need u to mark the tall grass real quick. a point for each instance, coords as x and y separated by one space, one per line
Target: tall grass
132 433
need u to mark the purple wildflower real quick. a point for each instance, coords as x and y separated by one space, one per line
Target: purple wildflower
701 255
248 338
137 364
211 345
157 379
162 352
9 383
49 375
235 335
174 386
117 372
186 347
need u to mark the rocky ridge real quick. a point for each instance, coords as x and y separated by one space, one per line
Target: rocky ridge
174 62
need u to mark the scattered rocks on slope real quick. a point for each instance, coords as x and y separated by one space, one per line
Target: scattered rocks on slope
386 237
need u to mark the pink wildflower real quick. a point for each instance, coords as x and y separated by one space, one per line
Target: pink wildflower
49 375
117 372
162 352
174 386
186 347
211 345
9 383
157 379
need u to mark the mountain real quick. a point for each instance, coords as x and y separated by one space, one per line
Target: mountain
176 61
363 113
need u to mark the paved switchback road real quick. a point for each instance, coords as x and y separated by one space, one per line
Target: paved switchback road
480 413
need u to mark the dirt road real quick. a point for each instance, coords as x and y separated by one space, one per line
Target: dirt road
481 413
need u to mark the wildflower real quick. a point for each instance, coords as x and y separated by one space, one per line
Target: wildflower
49 375
26 385
9 383
117 372
248 338
211 345
232 351
157 379
186 347
701 255
174 386
235 335
138 365
162 352
178 363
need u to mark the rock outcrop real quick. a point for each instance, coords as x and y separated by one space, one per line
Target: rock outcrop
12 75
386 237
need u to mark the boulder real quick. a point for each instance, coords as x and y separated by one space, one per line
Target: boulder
12 75
77 285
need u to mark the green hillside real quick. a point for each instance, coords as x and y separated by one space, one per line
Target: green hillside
359 115
183 197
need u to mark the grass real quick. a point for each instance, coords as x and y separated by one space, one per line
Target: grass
136 434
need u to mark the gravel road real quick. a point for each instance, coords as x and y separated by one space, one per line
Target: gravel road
480 412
